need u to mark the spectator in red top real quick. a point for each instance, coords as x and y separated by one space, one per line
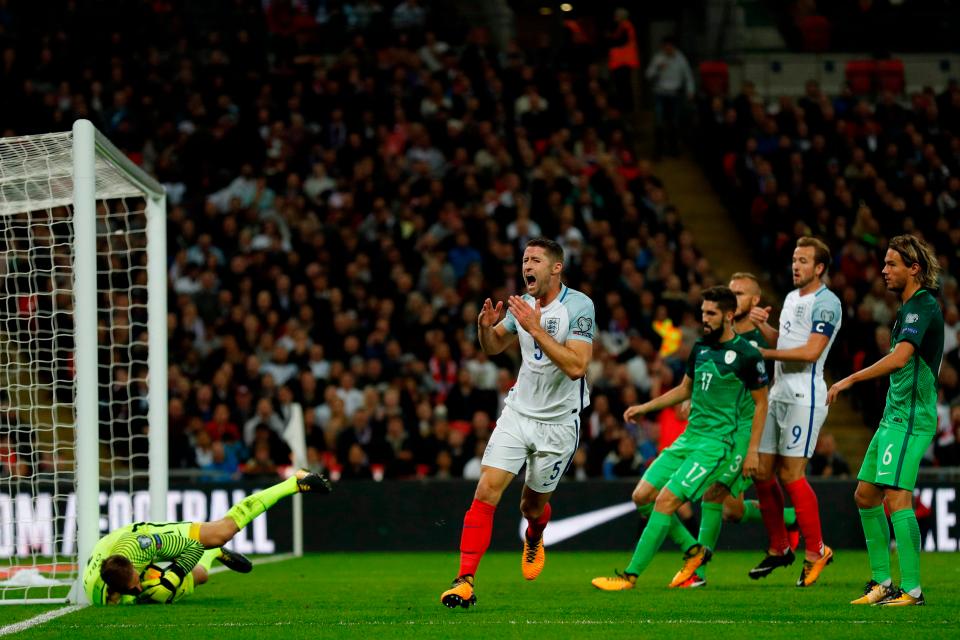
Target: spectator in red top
220 427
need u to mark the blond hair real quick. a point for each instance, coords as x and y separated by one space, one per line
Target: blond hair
746 275
915 251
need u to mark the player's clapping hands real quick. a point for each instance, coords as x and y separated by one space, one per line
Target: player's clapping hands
489 314
527 317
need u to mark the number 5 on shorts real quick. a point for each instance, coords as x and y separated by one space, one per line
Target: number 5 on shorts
556 470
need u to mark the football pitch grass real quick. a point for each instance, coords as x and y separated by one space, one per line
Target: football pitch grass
352 595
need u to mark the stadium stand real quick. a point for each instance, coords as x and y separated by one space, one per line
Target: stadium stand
340 207
855 169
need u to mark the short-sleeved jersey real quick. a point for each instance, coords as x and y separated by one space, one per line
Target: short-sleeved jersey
723 376
756 340
755 337
143 545
543 391
912 397
817 312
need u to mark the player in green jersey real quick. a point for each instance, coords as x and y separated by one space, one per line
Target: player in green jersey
123 566
723 501
722 369
908 425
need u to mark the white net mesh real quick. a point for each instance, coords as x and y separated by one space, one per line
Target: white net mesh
38 530
36 172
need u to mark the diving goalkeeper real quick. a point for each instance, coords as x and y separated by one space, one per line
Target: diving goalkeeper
123 567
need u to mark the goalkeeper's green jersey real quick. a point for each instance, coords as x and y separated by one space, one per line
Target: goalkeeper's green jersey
143 543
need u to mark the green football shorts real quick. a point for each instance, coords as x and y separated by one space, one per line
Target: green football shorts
893 458
731 474
689 465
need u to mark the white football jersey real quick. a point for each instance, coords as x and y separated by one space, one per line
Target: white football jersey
818 312
543 392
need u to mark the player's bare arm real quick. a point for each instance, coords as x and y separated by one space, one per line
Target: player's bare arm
752 460
893 361
494 337
571 357
810 352
678 394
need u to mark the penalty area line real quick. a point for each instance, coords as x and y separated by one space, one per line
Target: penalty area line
36 621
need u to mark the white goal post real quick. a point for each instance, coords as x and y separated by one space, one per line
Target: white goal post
83 353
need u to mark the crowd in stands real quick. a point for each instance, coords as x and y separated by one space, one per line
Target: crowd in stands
337 215
339 212
855 171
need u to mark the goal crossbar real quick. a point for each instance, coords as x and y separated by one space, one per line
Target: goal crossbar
35 172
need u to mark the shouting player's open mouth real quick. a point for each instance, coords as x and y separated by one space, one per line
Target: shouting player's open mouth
531 282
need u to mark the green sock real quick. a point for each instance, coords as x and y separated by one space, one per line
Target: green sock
680 534
790 516
907 531
751 512
877 534
250 507
206 560
711 519
653 536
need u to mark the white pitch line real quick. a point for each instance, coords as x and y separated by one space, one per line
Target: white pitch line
36 621
472 623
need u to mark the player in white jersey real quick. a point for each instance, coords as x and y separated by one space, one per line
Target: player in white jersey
809 323
540 423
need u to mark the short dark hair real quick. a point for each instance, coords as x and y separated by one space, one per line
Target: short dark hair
552 248
821 252
116 571
723 296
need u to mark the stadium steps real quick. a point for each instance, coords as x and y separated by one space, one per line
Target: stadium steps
727 250
701 211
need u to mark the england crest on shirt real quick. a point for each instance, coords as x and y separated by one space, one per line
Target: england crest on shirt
552 326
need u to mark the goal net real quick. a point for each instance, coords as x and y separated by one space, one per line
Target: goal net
82 356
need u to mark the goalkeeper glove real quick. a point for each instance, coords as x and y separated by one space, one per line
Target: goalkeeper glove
161 590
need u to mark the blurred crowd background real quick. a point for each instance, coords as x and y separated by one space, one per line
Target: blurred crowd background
348 181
